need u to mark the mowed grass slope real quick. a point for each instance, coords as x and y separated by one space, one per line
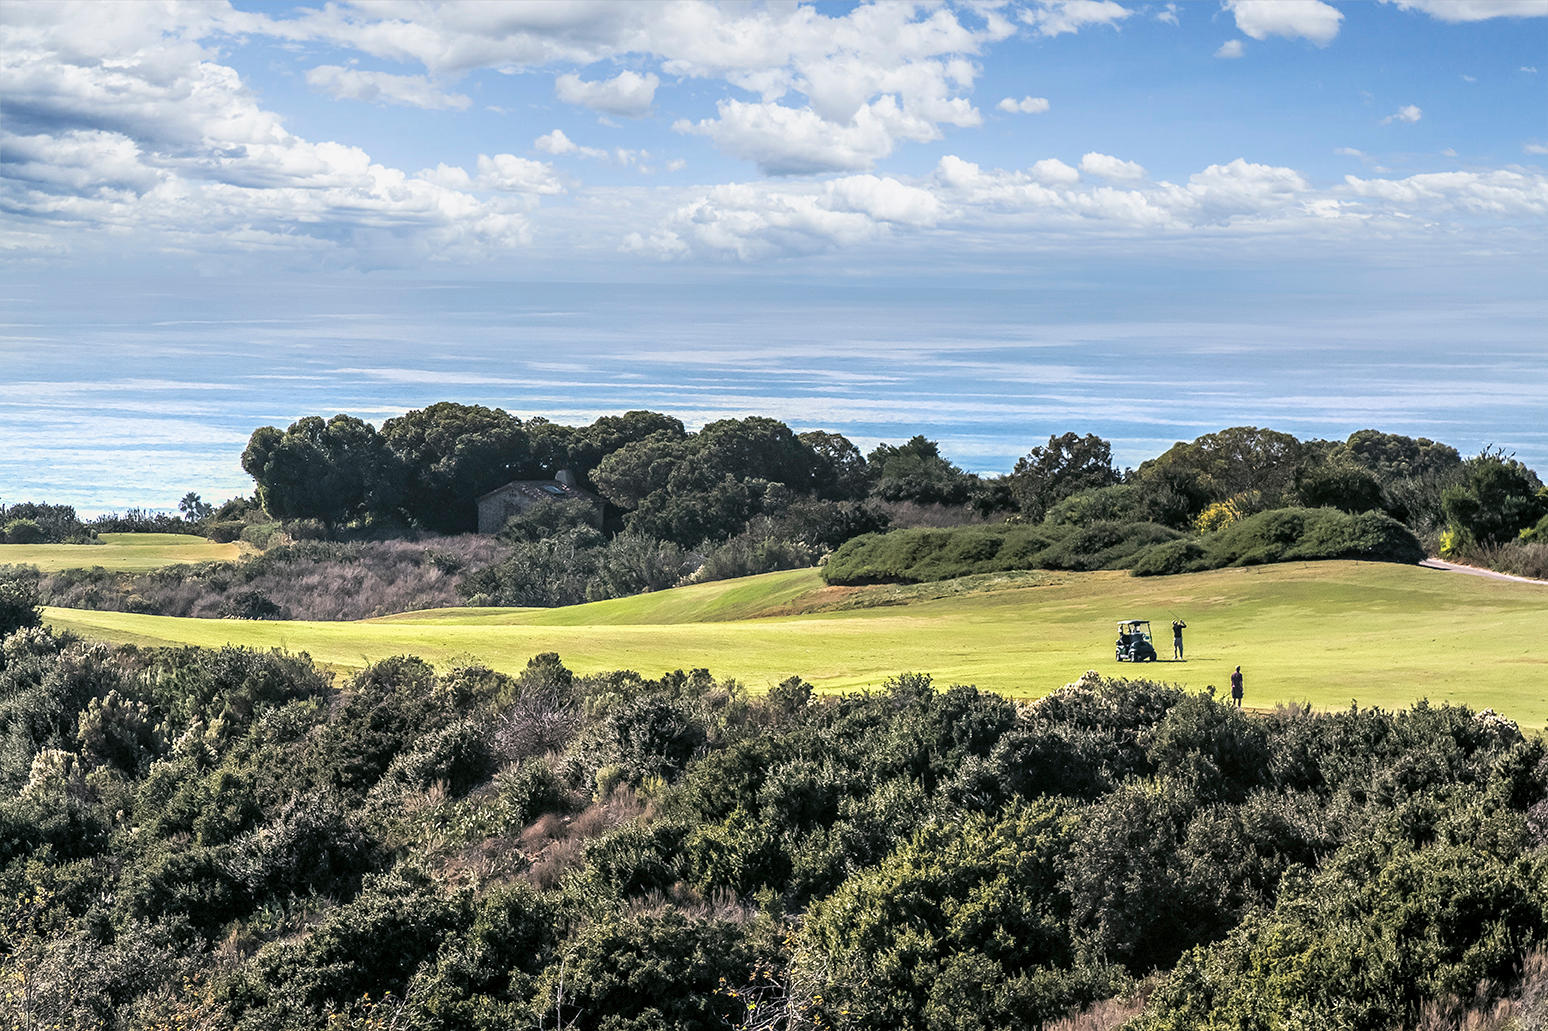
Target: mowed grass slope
121 552
1324 632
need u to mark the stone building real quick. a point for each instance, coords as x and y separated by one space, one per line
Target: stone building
517 496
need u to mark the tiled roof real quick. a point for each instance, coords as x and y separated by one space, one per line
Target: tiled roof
543 489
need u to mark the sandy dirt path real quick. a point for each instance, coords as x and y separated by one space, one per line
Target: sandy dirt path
1457 567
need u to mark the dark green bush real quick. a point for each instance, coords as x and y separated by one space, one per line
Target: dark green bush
1105 545
1286 535
1306 534
18 602
22 531
225 531
218 839
922 555
1179 556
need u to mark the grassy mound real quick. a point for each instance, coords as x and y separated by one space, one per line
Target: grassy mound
1281 535
923 555
1287 535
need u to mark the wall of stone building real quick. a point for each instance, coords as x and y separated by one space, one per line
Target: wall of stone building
493 512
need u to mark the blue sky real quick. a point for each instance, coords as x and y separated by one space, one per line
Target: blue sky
956 218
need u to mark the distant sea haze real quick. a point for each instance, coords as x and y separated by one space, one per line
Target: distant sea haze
134 395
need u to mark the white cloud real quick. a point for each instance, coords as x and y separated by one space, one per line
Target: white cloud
1108 167
1056 17
1529 69
793 141
132 126
1475 10
885 200
754 221
1168 13
1469 79
1293 19
917 57
1244 187
1024 106
1349 152
1409 113
628 94
1497 193
383 88
1535 148
557 143
512 174
749 222
1231 48
139 134
1054 172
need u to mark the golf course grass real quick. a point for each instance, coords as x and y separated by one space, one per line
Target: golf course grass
121 552
1327 633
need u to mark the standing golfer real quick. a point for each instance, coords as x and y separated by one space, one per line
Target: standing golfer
1236 687
1178 626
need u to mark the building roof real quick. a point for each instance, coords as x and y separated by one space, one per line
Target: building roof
544 490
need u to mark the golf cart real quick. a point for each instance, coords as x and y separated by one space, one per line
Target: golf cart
1134 641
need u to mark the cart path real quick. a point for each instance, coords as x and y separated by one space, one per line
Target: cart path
1457 567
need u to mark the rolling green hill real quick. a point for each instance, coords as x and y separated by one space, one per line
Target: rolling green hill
1323 632
122 552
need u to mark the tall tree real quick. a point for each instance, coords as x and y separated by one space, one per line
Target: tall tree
916 471
1067 464
1499 498
1233 462
333 471
452 453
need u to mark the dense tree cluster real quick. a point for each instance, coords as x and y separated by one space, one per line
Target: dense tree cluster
1241 496
225 839
745 496
35 523
428 468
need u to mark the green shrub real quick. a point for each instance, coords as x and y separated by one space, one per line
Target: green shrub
1286 535
1106 545
1120 503
1171 557
18 603
23 531
1308 534
260 534
922 555
225 531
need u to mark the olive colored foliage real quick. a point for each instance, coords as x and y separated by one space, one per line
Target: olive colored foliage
917 556
1281 535
231 839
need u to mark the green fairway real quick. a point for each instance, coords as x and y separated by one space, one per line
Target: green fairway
1323 632
122 552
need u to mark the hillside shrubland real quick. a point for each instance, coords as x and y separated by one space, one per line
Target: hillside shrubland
362 522
1148 549
917 556
232 839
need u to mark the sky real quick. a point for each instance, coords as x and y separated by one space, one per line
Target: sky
987 222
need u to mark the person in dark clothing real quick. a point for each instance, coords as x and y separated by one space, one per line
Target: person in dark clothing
1236 687
1177 628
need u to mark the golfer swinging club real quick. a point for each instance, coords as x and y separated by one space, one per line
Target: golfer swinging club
1177 628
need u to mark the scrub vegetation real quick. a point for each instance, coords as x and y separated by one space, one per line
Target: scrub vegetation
237 839
360 522
293 817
